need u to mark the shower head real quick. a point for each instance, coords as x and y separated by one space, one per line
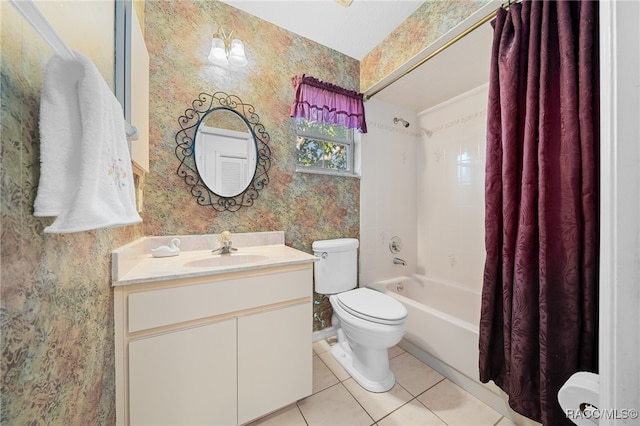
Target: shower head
397 120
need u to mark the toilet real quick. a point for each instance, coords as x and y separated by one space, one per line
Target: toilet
367 321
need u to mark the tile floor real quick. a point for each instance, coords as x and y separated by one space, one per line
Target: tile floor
421 396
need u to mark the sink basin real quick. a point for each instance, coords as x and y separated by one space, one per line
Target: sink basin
226 260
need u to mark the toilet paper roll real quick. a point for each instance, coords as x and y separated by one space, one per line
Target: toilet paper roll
579 398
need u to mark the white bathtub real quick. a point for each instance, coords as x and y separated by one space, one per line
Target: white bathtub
442 319
442 331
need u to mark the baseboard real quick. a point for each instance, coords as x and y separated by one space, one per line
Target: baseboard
323 334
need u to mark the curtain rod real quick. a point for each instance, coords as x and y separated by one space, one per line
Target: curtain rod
448 44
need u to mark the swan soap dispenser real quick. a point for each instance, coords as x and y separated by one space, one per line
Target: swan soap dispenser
167 251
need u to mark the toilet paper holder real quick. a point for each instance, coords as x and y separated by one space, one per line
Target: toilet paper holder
579 397
588 409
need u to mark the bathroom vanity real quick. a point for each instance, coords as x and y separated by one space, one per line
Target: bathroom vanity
211 339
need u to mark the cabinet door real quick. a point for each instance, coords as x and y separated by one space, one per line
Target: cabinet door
185 377
274 360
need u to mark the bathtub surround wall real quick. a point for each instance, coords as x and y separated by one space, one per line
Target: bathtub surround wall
387 192
446 191
443 199
447 252
450 190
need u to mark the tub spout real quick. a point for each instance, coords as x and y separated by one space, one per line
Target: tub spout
398 261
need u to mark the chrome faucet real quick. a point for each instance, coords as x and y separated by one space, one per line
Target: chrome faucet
398 261
225 248
226 244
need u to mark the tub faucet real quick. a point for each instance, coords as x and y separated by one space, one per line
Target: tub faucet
226 244
398 261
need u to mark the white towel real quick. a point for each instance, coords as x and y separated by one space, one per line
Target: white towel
86 178
60 137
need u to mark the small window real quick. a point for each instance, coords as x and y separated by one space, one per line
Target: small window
325 148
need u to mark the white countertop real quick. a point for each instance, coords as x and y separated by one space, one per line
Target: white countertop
134 264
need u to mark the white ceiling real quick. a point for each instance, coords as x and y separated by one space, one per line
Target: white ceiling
353 30
357 29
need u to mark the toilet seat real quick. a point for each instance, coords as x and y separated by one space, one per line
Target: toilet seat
372 305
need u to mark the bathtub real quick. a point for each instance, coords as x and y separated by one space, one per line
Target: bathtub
442 319
442 331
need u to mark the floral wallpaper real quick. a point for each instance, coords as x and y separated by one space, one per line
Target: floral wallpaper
56 315
57 364
428 23
306 207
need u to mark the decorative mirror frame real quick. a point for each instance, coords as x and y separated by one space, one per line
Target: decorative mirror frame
185 141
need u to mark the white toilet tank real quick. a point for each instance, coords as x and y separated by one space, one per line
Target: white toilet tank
337 269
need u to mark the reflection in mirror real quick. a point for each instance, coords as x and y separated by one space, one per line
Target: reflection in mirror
223 151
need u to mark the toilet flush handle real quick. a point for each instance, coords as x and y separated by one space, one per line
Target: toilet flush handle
321 254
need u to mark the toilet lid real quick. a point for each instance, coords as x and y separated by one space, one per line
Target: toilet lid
372 305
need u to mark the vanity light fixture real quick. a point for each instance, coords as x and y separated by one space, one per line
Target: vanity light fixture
226 50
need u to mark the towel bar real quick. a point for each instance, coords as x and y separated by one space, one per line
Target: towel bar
39 22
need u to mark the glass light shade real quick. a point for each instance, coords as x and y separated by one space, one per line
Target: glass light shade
236 53
218 55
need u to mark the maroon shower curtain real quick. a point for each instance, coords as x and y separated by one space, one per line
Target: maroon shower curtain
539 301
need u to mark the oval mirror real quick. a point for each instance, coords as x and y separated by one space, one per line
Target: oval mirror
225 152
227 167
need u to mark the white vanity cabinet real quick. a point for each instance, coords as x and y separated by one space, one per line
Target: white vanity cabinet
219 349
273 364
184 376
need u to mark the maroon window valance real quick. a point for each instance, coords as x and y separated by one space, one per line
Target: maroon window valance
327 103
